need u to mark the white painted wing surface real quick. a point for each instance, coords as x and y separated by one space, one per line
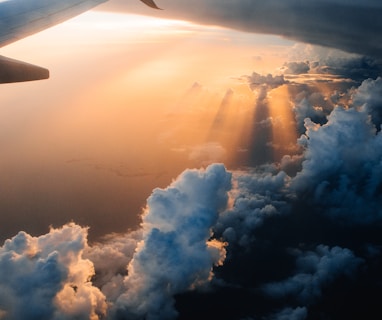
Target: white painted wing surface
21 18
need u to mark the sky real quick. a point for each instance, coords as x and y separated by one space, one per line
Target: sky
213 158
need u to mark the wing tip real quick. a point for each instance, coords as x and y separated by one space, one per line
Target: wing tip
151 4
12 70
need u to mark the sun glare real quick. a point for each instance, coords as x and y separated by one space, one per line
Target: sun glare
96 20
132 96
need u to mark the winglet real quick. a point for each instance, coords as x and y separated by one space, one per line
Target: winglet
151 4
18 71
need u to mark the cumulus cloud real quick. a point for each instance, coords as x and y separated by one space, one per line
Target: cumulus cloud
333 196
110 257
296 67
175 254
315 269
368 97
46 277
328 176
258 196
139 272
269 81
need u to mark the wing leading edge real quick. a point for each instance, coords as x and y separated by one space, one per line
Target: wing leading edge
22 18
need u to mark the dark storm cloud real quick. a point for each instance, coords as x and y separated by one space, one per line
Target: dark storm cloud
306 108
258 196
354 68
353 26
298 313
315 269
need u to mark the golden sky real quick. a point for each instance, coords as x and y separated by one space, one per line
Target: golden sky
132 101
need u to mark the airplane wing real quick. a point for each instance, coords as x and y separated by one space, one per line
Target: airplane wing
151 4
21 18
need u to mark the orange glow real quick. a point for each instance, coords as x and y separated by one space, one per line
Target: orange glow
131 103
284 129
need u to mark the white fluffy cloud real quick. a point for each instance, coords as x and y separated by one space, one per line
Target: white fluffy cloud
46 277
175 254
347 141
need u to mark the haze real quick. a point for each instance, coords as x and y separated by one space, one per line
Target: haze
130 105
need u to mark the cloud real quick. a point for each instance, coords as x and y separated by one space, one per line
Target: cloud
311 22
139 272
333 197
328 177
258 196
175 254
299 313
328 61
295 67
281 239
269 81
315 269
110 257
46 277
368 97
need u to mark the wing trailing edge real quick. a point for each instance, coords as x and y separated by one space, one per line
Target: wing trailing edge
12 70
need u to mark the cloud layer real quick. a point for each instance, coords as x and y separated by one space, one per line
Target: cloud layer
278 238
212 232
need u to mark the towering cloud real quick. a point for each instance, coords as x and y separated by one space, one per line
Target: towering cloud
175 254
328 177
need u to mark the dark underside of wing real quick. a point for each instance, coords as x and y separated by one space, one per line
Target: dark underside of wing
18 71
